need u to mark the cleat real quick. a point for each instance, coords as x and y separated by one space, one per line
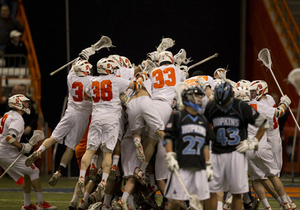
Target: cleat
226 206
255 204
139 150
33 157
122 204
101 187
54 179
95 206
139 175
287 206
294 206
30 207
93 172
113 173
72 206
107 207
83 205
96 197
80 188
268 208
99 175
45 206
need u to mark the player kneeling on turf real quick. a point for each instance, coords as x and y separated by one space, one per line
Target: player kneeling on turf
187 137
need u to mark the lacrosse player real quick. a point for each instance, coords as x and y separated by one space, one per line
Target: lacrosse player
12 128
187 137
164 79
230 118
258 91
72 126
104 92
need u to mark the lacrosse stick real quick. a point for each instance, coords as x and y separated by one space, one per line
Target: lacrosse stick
265 56
179 87
37 136
294 79
180 57
204 60
104 42
193 198
165 44
131 94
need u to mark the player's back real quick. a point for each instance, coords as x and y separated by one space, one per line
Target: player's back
164 79
10 120
104 92
76 86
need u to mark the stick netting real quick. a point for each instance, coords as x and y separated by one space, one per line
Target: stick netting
265 56
294 79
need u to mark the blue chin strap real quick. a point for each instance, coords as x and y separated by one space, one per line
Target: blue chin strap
194 106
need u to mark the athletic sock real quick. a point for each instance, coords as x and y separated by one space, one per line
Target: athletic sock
104 176
27 200
220 205
61 167
265 202
125 196
152 179
75 198
86 197
39 197
115 160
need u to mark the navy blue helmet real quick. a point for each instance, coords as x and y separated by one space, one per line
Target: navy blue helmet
223 95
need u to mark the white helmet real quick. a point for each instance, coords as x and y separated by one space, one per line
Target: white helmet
243 83
17 102
107 66
126 62
220 73
166 56
82 68
117 58
242 93
258 88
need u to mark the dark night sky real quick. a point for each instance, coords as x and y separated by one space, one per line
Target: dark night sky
201 27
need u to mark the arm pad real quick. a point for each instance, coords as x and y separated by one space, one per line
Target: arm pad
279 112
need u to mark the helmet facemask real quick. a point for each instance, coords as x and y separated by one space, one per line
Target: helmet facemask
19 102
192 97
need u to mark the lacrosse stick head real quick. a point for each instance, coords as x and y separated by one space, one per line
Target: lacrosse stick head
294 79
37 136
149 66
265 57
220 73
180 58
195 202
104 42
166 43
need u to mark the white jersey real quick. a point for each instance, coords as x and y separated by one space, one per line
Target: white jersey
164 79
76 87
264 109
273 133
191 82
12 122
104 91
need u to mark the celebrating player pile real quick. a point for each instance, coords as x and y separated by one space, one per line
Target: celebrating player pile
191 138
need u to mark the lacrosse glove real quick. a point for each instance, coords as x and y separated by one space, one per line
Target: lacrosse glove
285 100
209 171
26 148
247 144
86 53
172 163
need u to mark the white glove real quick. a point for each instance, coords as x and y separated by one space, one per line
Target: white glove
285 100
172 163
26 148
209 171
154 56
202 82
86 53
247 144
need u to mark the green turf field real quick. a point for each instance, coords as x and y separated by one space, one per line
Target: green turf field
11 195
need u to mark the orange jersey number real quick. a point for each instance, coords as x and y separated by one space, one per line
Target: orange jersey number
2 123
78 91
158 74
102 91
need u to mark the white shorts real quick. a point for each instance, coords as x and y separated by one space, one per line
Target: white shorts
19 169
261 164
128 157
161 171
230 173
164 111
72 126
103 134
194 180
278 159
140 112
